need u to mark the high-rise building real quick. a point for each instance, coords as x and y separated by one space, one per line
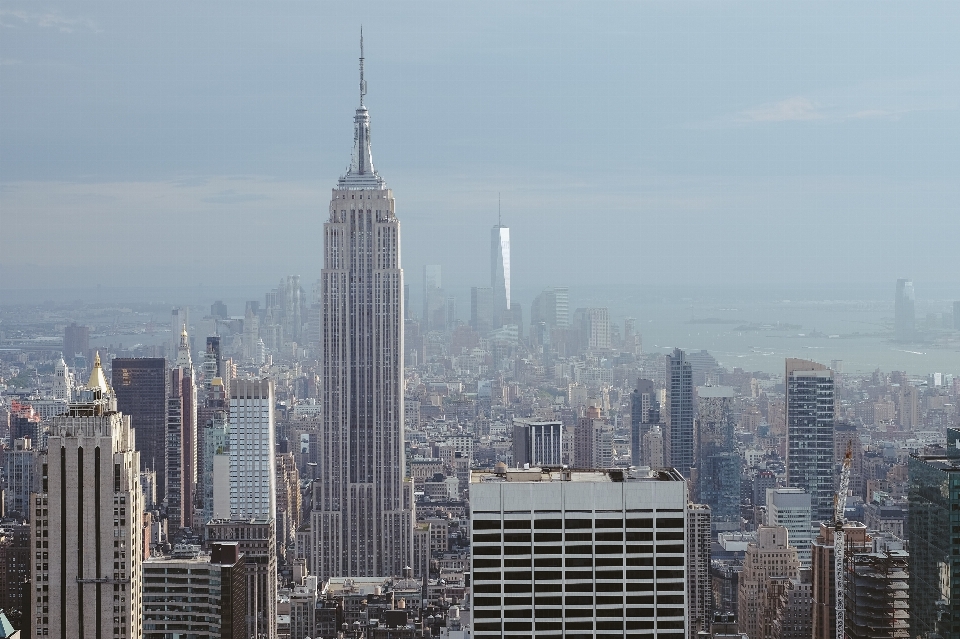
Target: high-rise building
537 443
679 409
18 478
592 441
141 388
904 312
718 462
578 553
214 463
363 518
481 309
644 414
824 584
87 528
790 508
699 591
593 325
934 580
204 594
181 445
793 619
253 469
16 589
500 270
811 408
76 341
652 455
434 311
769 558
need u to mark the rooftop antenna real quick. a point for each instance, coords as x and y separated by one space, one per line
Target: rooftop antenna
363 83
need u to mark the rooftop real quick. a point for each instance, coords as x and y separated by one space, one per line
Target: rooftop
546 474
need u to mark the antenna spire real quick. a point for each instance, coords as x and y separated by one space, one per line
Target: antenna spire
363 83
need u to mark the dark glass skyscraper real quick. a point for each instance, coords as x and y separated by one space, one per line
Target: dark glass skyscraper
718 462
811 409
678 440
140 385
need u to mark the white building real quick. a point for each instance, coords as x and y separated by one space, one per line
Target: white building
591 553
87 523
362 520
500 270
790 508
253 468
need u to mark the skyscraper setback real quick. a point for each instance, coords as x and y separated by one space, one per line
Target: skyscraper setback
362 520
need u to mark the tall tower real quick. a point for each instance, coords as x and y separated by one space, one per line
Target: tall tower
88 524
810 409
362 520
904 312
140 384
181 444
500 270
678 438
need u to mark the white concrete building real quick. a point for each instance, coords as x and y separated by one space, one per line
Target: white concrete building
578 553
790 508
253 468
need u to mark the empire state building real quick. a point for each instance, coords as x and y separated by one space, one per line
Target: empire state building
362 522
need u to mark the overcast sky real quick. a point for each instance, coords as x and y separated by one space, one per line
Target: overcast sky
174 143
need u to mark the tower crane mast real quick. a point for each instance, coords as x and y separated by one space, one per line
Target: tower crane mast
839 545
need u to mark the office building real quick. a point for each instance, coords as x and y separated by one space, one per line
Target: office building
16 589
699 589
719 465
253 467
214 477
195 594
363 518
181 457
256 542
62 382
592 441
652 456
794 611
141 388
500 270
481 310
537 443
810 407
434 308
76 341
644 414
87 525
679 413
18 478
592 326
904 329
578 553
824 584
934 580
790 508
769 559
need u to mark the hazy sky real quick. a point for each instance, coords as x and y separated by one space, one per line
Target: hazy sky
638 142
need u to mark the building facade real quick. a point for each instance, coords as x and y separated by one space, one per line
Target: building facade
718 463
253 467
644 414
679 408
537 443
810 414
140 384
363 519
578 553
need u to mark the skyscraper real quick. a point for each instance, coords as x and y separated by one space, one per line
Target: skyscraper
362 521
481 309
904 312
500 270
434 312
181 444
252 463
140 385
678 404
810 407
88 523
718 462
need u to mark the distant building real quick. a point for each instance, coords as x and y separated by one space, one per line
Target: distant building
589 571
652 456
76 341
679 412
644 414
824 584
718 463
434 307
252 461
16 589
537 443
790 508
481 310
218 310
500 270
699 591
768 559
904 312
18 478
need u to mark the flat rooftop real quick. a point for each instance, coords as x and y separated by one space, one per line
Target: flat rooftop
554 474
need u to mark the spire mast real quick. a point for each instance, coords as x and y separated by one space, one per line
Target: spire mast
363 84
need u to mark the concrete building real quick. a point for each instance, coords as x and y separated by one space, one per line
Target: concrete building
141 388
363 518
652 456
768 559
195 594
790 508
537 443
87 523
644 415
810 415
593 553
794 614
253 467
256 542
679 413
592 441
699 590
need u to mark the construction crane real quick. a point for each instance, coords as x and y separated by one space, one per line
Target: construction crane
839 504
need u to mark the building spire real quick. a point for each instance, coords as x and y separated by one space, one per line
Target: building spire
363 83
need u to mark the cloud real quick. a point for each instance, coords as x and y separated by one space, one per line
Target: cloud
52 19
790 110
